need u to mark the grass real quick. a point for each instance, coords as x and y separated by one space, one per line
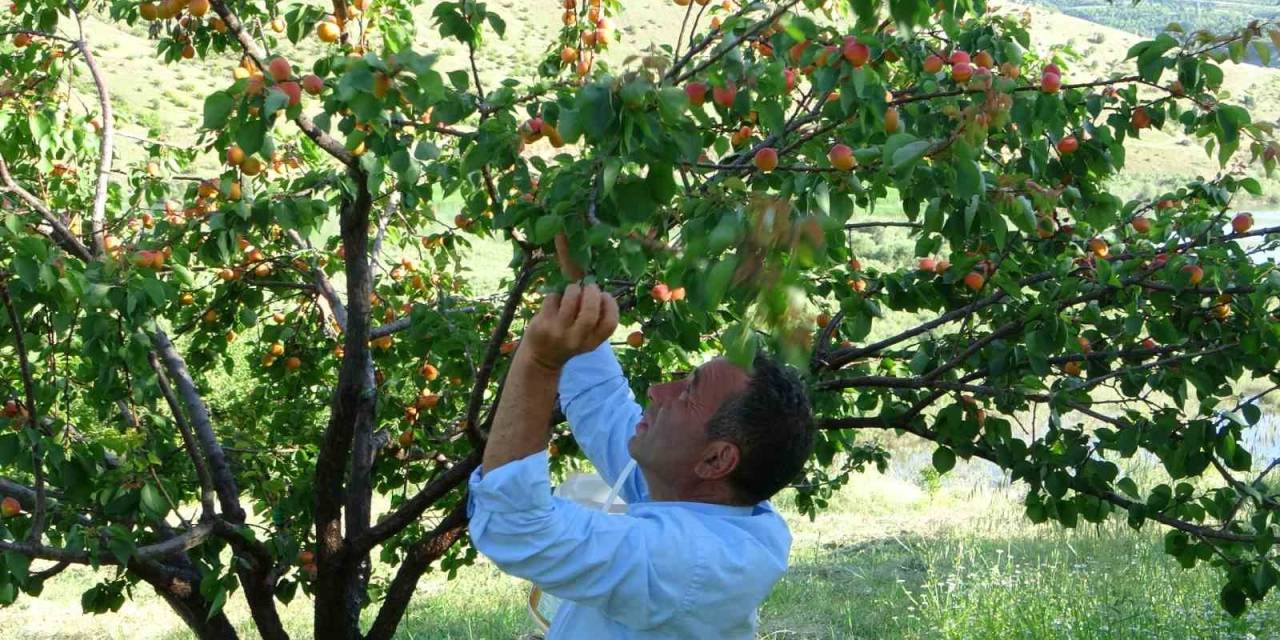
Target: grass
897 555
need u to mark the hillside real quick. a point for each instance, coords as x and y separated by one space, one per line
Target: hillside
162 102
1150 17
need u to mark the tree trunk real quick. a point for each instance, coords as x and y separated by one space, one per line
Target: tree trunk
339 588
181 589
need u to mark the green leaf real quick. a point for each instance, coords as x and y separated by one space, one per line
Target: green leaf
944 459
276 100
546 228
18 566
1232 600
153 502
216 109
499 25
216 606
909 154
969 179
249 136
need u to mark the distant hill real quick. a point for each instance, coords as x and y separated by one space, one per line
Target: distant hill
158 101
1149 17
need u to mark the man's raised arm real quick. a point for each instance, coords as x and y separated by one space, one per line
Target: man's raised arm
602 412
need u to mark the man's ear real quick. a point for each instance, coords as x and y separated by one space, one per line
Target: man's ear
719 459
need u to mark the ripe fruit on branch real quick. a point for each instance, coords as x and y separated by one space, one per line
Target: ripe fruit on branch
725 95
429 371
1050 82
697 93
1140 118
1194 273
312 84
677 294
984 59
427 401
10 507
961 72
928 264
1242 222
855 52
280 69
1068 145
891 120
932 64
1071 368
328 32
635 338
841 157
660 292
797 51
1141 224
291 90
974 280
959 57
251 166
1098 247
766 159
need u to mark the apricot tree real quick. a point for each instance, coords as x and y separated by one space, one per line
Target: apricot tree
714 183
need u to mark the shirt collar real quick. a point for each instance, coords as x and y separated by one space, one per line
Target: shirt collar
705 508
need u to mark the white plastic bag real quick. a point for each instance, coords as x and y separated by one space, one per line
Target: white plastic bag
591 491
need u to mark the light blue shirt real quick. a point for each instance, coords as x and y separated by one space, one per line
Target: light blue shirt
663 570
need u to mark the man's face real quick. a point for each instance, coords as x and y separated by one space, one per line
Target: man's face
671 437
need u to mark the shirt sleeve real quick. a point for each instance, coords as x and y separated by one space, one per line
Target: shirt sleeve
603 413
631 569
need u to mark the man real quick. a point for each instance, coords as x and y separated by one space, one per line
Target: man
700 548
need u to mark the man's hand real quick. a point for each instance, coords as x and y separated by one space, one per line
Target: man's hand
569 324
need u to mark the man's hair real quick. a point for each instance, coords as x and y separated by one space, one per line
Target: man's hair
771 422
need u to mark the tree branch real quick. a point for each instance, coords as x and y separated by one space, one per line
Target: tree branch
33 413
170 547
417 561
188 439
106 144
494 349
224 482
414 507
61 235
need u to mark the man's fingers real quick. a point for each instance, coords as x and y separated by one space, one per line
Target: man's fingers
608 317
588 311
550 305
571 270
569 304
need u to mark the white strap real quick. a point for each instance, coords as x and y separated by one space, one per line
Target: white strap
617 486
